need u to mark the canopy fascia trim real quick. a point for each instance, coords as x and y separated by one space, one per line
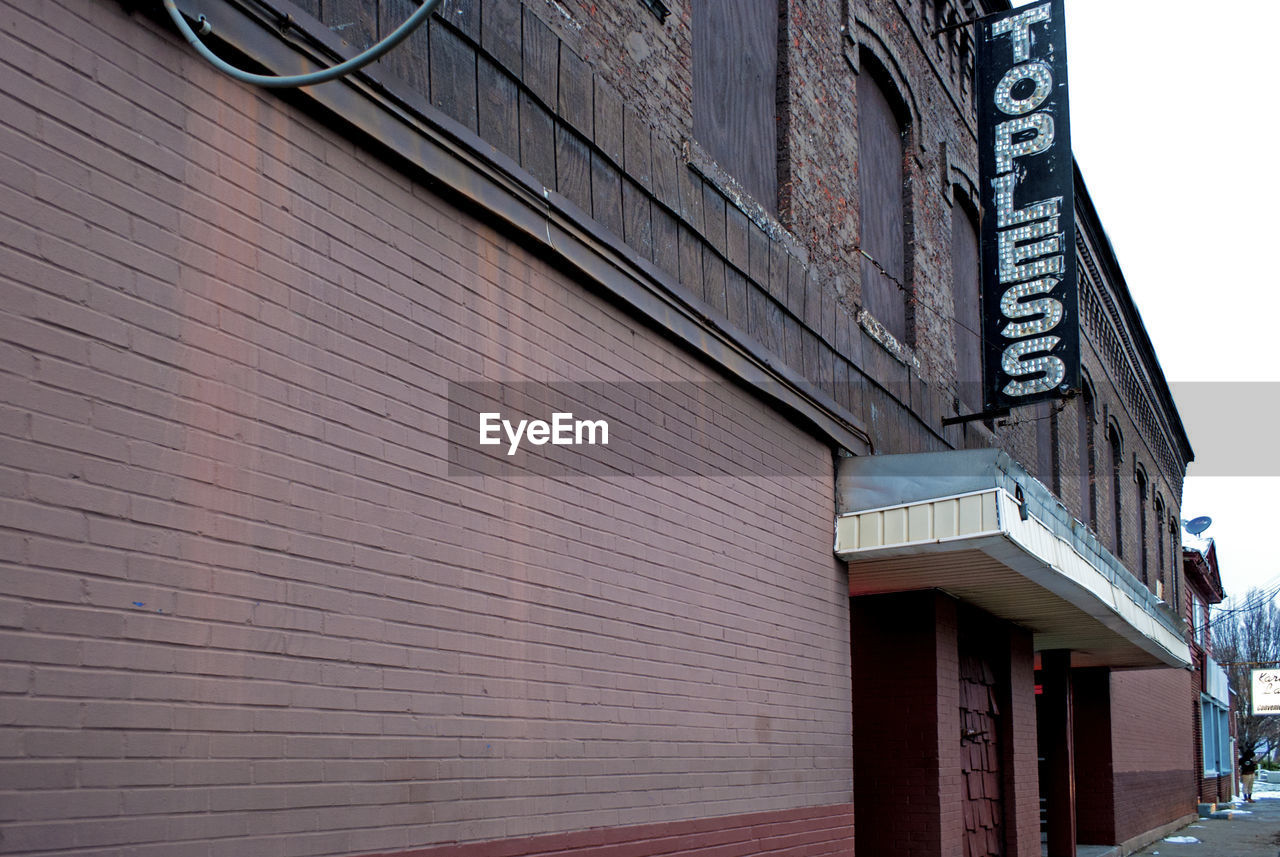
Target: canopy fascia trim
992 535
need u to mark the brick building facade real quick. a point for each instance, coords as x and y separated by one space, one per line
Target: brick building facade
1215 762
263 594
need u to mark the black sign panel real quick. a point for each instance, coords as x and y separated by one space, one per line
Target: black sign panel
1030 303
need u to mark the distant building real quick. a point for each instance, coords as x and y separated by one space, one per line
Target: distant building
1216 754
268 589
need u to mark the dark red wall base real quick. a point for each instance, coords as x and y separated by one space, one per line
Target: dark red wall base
1215 789
1148 799
808 832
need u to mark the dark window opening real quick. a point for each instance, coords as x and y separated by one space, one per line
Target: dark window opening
1142 526
1160 537
1117 511
1088 483
1055 441
1045 452
966 297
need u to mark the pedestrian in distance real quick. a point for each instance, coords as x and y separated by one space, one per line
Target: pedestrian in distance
1248 768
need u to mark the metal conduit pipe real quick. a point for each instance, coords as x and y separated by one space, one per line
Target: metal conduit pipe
311 78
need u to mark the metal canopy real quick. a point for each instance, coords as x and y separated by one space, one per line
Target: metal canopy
975 524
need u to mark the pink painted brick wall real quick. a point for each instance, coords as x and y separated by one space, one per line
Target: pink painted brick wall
245 607
1153 747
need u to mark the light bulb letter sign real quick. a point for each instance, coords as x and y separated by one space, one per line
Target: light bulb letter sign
1030 304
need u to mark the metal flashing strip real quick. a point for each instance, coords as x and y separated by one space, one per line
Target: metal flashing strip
1009 556
457 163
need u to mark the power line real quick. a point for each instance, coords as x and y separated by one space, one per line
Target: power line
1258 599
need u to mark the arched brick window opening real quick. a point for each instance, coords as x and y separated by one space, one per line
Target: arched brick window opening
965 297
1088 480
1117 502
1141 478
1160 562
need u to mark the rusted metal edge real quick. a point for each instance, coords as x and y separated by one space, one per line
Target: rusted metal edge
457 163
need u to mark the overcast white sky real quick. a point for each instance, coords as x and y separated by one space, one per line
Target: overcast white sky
1172 120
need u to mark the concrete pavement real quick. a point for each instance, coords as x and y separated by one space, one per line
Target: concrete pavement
1241 830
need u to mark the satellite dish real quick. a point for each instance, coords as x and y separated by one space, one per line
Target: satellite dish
1196 526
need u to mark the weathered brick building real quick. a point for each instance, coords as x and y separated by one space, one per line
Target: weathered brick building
1215 758
265 593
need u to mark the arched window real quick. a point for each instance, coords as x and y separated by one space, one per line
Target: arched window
1160 543
965 297
1088 484
882 201
1140 477
1117 505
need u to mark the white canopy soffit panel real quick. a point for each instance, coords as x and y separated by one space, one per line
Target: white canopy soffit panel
976 525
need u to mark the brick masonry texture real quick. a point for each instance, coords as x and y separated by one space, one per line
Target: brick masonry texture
604 117
1091 712
249 610
1211 789
812 832
909 785
905 719
1152 749
799 296
1023 793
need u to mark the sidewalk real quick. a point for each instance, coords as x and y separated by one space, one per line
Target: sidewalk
1240 830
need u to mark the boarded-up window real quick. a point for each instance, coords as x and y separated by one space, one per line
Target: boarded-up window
965 295
880 187
1142 526
1045 442
1117 510
1088 484
735 101
1160 547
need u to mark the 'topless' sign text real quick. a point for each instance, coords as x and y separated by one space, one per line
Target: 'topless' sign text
1030 304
